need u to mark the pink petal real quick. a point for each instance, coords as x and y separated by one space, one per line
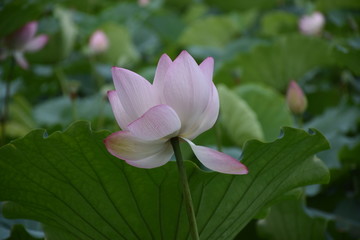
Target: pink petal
158 122
207 67
209 116
18 39
125 146
120 115
155 160
161 70
36 43
217 161
20 59
135 93
186 90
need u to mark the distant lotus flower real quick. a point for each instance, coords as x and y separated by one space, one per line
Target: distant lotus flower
21 41
296 99
312 24
183 101
98 42
143 2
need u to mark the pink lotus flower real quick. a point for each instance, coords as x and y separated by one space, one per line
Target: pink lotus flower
296 98
21 41
182 102
98 42
312 24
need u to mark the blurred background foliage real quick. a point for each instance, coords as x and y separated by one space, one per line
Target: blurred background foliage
258 49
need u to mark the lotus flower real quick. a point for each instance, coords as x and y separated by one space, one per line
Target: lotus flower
21 41
296 98
98 42
182 102
312 24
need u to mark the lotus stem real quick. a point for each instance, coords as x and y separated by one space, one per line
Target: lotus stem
186 189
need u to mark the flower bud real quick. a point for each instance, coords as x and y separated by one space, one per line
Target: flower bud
98 42
312 24
296 99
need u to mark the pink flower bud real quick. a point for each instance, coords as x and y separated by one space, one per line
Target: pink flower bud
98 42
312 24
295 98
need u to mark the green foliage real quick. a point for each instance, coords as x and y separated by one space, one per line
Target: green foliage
326 5
16 13
53 180
278 22
238 118
121 50
288 220
243 5
269 106
288 58
216 31
257 48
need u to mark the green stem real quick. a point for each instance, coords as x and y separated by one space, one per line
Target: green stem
62 80
6 101
99 81
298 121
186 190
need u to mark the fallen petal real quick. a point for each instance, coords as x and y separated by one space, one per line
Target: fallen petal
158 122
217 161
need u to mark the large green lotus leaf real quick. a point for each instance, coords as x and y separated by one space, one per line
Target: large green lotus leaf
288 58
237 117
288 220
270 107
69 182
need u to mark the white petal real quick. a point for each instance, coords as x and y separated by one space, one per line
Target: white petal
121 116
36 43
158 122
20 59
207 67
125 146
135 93
161 70
186 90
217 161
208 117
155 160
